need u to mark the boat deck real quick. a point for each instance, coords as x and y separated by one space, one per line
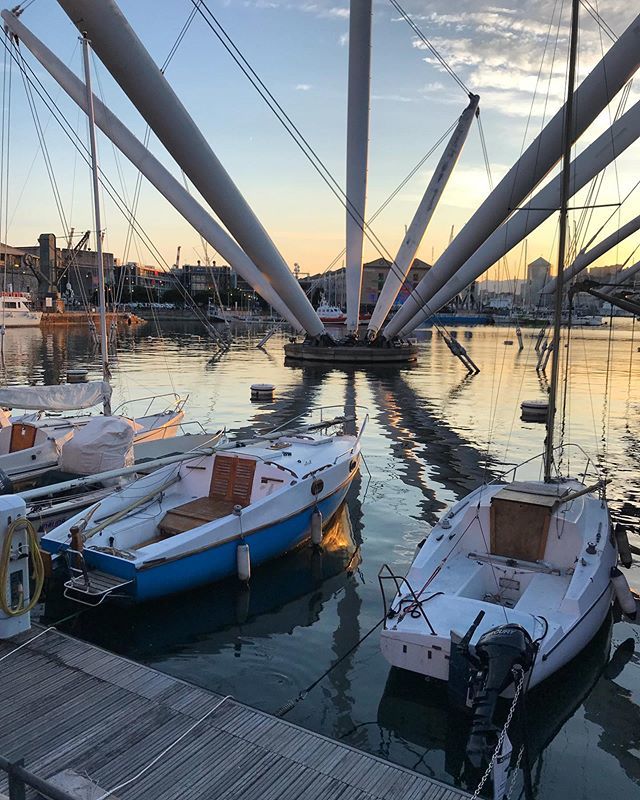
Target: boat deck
75 711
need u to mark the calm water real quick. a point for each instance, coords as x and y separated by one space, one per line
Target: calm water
425 446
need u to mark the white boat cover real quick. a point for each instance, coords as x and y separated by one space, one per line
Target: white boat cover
65 397
102 444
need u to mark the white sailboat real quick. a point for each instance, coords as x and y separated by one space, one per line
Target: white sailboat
518 575
32 444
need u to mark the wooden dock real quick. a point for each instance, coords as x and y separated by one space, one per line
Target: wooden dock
70 707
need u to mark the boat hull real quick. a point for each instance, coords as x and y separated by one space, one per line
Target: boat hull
164 577
430 656
31 320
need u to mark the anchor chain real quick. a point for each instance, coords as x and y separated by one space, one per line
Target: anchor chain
503 733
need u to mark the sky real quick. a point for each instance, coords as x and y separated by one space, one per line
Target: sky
512 54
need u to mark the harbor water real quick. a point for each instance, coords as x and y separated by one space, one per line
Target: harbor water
433 434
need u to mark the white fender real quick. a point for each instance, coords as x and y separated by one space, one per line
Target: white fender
623 593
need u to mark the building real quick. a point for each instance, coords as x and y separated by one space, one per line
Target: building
71 271
607 274
538 273
331 285
19 270
200 278
132 276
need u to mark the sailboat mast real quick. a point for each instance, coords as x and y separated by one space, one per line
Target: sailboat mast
565 193
104 347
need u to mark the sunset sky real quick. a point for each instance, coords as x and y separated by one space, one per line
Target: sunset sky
300 50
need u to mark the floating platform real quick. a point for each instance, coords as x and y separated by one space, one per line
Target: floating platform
80 716
404 353
81 318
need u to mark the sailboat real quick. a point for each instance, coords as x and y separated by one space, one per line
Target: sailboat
517 577
210 517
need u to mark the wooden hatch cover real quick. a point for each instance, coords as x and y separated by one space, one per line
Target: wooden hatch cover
232 479
520 516
23 436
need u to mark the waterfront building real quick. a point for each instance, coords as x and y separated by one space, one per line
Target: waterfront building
331 284
71 271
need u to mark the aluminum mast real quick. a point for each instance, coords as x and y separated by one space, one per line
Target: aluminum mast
125 57
606 148
158 175
104 342
595 92
565 193
417 229
357 149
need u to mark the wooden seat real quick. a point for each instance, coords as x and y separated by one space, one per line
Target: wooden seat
231 485
193 514
23 436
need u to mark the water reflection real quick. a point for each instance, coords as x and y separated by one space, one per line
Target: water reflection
417 711
425 446
283 595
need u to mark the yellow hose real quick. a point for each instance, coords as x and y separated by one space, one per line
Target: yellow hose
5 560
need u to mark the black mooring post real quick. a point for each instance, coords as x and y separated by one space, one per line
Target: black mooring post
17 789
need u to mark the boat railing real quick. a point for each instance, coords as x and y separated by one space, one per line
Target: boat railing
386 574
177 405
321 410
182 427
89 587
589 468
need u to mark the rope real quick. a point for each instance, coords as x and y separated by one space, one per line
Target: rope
111 191
42 633
154 761
289 705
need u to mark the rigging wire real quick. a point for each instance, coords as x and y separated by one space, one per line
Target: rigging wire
138 185
2 161
300 140
18 58
396 191
33 81
429 45
595 14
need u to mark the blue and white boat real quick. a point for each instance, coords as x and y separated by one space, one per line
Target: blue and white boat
209 517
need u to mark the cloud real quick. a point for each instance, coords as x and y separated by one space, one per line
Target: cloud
303 87
323 10
394 98
514 55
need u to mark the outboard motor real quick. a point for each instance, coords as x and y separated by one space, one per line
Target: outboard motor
497 652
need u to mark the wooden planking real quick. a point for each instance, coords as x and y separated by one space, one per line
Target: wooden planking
70 705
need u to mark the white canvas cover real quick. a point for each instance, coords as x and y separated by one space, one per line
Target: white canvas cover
65 397
102 444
